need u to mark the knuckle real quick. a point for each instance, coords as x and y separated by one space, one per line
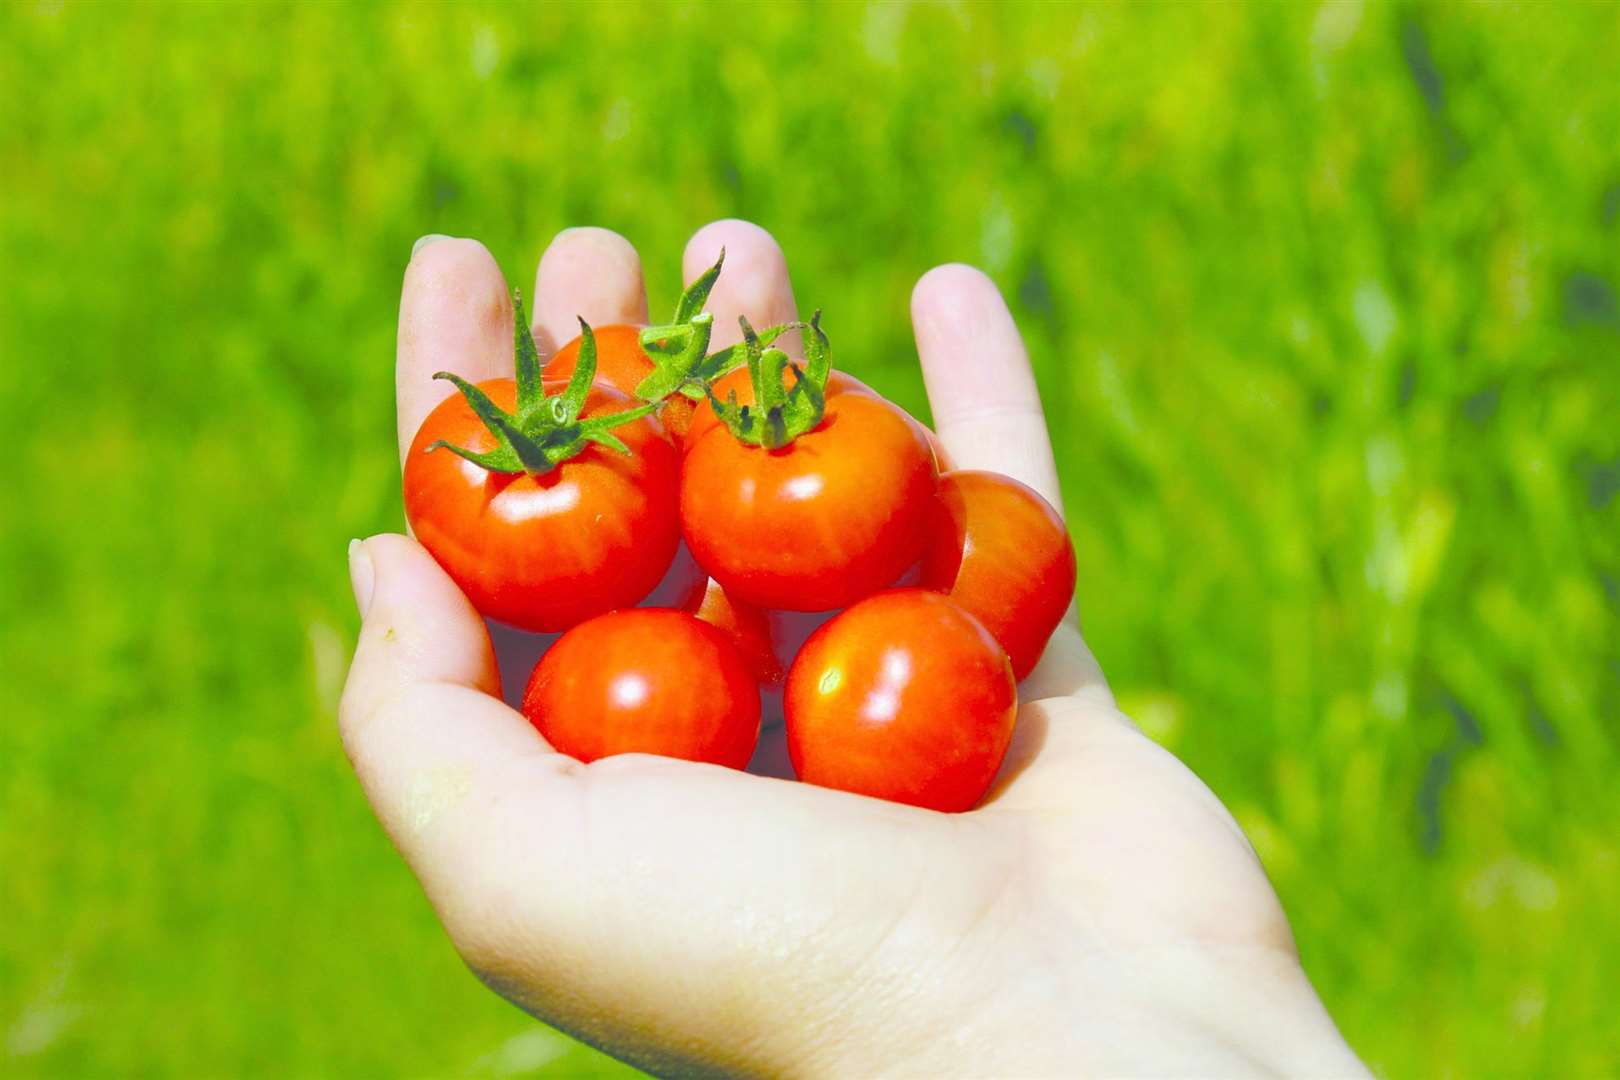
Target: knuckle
359 711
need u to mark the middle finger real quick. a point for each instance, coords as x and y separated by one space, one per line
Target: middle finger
753 283
586 273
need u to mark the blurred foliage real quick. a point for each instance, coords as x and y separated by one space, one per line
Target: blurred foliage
1323 304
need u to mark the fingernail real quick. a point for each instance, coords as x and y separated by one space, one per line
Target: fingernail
361 575
430 238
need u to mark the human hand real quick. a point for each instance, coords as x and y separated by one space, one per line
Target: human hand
1100 913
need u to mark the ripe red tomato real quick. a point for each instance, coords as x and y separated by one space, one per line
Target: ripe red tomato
545 552
737 382
904 696
648 681
747 627
1001 551
836 514
622 363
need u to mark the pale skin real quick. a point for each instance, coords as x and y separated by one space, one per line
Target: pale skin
1100 914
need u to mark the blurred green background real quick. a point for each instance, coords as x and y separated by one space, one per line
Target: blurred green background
1323 304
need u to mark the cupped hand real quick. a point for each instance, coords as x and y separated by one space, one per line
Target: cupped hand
1100 913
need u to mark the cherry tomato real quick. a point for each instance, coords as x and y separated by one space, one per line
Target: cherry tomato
789 630
747 627
649 681
904 696
622 363
819 523
545 552
1001 551
737 382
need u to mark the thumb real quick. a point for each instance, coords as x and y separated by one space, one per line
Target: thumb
421 715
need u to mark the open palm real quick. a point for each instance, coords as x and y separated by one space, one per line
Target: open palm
1101 913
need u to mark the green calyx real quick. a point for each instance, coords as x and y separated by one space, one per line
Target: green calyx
546 430
779 413
679 350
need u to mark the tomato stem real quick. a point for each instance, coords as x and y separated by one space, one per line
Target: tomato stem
546 430
678 349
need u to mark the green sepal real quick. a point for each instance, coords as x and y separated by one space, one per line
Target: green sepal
678 348
697 294
527 357
817 353
609 440
598 429
780 414
531 453
738 419
815 392
546 430
725 361
502 460
677 359
579 384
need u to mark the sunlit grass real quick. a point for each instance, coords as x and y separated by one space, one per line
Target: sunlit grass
1323 303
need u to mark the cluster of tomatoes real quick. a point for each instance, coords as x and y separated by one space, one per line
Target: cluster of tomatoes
789 536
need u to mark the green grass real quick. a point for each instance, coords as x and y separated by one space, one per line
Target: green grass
1323 303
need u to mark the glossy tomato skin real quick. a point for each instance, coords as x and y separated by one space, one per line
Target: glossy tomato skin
649 681
834 516
738 382
905 697
543 553
1002 552
746 626
622 363
752 631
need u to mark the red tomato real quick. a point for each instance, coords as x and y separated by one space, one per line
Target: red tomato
545 552
999 550
737 382
645 681
905 696
747 627
622 363
833 516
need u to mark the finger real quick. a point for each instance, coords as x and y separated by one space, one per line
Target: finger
986 407
586 273
988 413
753 283
420 716
454 315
